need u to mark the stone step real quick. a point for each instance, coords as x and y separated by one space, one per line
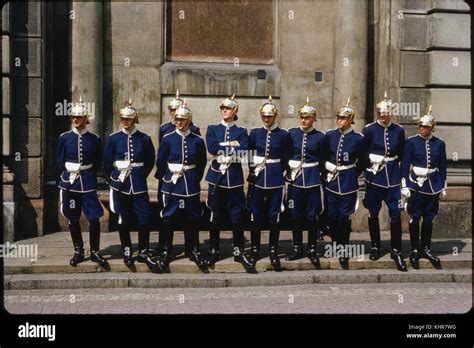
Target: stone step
147 280
60 264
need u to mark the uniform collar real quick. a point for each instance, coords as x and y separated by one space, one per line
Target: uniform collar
129 132
426 138
272 127
183 134
82 132
227 124
385 126
307 130
347 131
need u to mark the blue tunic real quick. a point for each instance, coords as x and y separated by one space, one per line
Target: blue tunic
217 139
275 144
135 146
388 142
343 149
169 127
306 148
425 153
185 148
79 147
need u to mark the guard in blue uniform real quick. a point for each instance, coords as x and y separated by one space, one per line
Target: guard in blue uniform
181 162
424 183
170 126
128 160
305 193
78 157
383 148
228 144
270 150
341 151
167 128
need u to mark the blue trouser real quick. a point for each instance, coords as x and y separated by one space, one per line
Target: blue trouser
224 201
265 203
125 205
341 206
375 195
177 207
305 203
73 203
421 205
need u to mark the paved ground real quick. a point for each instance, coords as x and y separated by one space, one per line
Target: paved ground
311 298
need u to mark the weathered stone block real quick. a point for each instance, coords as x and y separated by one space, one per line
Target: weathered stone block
449 68
6 59
449 30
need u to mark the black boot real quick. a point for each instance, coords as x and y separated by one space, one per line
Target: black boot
273 247
297 252
214 235
312 251
343 237
194 253
76 236
396 256
143 248
374 231
255 242
414 229
94 237
126 243
426 233
166 256
333 227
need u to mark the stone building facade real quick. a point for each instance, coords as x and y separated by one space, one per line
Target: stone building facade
419 51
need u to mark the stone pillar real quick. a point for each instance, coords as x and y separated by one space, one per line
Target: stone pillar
350 60
86 58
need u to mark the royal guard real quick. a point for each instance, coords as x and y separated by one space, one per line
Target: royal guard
305 193
228 144
167 128
129 157
423 168
341 151
270 150
79 156
383 148
170 126
181 162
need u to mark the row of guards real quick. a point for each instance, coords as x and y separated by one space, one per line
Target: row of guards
321 170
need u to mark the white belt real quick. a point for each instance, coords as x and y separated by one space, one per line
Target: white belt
133 164
308 165
272 160
87 166
389 159
349 166
177 169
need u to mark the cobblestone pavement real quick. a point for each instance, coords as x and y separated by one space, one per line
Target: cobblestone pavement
311 298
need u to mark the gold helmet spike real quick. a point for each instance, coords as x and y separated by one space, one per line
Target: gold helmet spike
230 102
427 120
129 111
385 106
183 112
268 108
307 110
347 111
80 110
176 102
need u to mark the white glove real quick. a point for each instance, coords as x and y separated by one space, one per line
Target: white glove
406 192
443 194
